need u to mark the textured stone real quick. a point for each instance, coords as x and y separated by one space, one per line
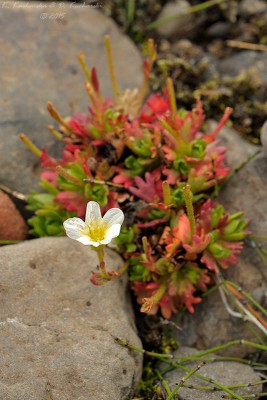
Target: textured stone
252 7
226 372
264 137
180 26
247 191
57 327
239 150
211 325
38 64
12 225
243 61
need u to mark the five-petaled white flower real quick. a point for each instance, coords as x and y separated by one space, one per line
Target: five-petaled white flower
96 230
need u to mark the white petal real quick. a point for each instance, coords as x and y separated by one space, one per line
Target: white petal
92 212
85 240
74 228
112 232
114 216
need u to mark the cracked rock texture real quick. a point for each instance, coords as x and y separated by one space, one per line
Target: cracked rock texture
211 325
42 66
57 327
226 372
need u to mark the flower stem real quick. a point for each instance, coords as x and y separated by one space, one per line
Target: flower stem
220 358
30 144
151 57
187 376
148 302
166 193
224 346
90 92
54 132
164 383
171 93
247 396
245 294
81 59
242 385
62 172
165 358
189 10
6 242
204 378
145 352
56 116
145 244
111 65
189 208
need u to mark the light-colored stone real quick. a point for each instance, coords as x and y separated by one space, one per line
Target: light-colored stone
252 7
181 25
239 150
38 63
57 327
243 61
247 191
264 137
225 372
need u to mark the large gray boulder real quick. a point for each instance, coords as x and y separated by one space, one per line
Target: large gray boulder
38 63
57 328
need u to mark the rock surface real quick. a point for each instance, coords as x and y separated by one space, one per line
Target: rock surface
225 372
239 150
252 7
243 61
179 27
211 325
57 327
12 225
39 64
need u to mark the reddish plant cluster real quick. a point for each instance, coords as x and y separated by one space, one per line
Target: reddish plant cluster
152 161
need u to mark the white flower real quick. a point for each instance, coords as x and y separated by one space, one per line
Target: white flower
96 230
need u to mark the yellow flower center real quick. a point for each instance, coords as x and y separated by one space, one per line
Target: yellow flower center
97 230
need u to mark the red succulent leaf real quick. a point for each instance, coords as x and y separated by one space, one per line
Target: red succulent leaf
209 261
212 136
94 78
148 189
46 160
72 201
199 243
151 224
179 235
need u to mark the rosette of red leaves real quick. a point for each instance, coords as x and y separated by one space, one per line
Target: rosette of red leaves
139 155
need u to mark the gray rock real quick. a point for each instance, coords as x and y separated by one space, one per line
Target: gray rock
247 191
181 25
243 61
252 7
225 372
219 29
57 327
38 63
239 150
211 325
264 136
